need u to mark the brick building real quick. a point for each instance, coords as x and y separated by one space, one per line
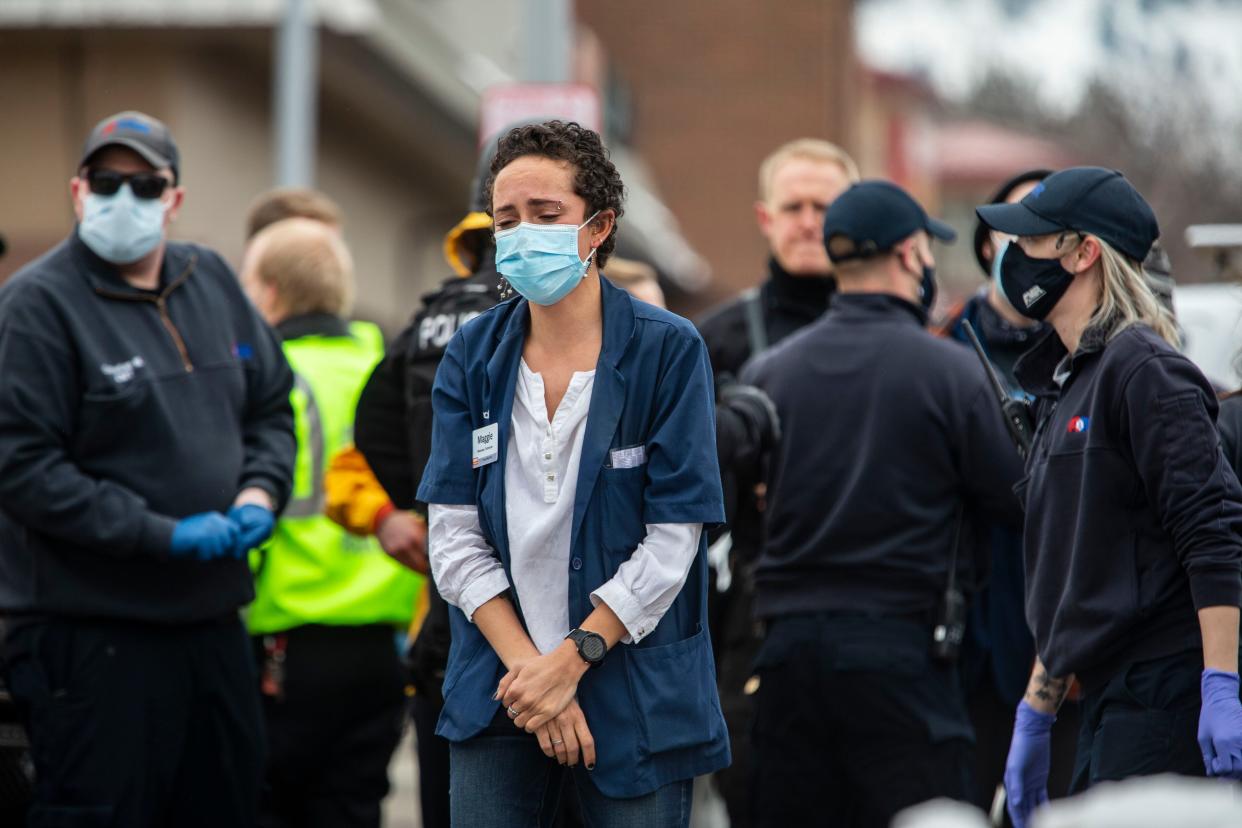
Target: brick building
714 88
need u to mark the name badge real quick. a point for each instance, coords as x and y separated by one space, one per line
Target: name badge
627 458
485 445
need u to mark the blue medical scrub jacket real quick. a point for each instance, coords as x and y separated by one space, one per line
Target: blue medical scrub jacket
652 706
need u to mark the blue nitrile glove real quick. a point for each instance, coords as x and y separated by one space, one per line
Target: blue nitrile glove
1220 724
254 524
205 536
1026 769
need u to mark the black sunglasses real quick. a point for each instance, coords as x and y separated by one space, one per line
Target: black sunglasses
142 185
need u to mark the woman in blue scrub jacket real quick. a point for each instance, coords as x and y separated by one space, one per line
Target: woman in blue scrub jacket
1132 545
573 466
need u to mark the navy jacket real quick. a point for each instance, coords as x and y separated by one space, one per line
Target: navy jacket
1132 512
887 432
121 411
1229 423
652 706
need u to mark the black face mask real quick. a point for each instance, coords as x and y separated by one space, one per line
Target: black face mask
1032 286
927 287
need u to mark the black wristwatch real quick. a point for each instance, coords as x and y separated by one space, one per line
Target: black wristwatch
591 646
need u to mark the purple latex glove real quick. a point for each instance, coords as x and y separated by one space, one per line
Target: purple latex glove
1220 724
1026 769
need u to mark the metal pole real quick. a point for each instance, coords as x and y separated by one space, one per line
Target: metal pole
548 35
295 86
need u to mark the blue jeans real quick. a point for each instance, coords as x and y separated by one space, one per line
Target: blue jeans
501 779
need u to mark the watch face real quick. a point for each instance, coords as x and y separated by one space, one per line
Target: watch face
593 648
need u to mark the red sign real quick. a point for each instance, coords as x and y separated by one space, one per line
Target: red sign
507 105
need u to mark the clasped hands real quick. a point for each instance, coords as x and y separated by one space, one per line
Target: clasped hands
539 695
210 535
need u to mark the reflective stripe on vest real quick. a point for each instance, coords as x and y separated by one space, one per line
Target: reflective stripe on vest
313 571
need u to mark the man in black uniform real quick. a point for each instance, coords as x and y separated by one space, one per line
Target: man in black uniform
797 182
892 443
392 429
146 440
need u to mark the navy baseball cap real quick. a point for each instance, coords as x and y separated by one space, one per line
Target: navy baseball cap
875 215
1091 200
143 134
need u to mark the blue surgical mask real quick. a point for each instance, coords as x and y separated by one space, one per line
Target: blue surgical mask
541 261
996 260
121 228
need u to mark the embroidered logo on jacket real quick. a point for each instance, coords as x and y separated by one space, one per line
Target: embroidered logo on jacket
122 372
1078 425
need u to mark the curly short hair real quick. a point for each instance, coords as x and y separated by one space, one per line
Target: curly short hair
596 180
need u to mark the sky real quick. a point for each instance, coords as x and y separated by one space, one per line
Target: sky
1061 43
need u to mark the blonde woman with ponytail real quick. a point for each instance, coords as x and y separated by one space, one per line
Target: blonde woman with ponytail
1133 532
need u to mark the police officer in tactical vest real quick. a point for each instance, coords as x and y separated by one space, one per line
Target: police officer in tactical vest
393 432
797 182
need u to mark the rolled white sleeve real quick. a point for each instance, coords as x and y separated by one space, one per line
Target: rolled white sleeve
646 585
465 568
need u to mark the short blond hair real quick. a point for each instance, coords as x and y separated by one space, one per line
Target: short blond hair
308 264
290 202
807 149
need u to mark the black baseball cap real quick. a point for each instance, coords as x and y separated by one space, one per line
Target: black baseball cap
1091 200
143 134
875 215
1000 197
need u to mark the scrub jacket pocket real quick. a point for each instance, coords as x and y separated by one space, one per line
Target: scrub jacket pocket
673 684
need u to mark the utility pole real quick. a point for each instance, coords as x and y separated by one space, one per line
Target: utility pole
295 87
547 29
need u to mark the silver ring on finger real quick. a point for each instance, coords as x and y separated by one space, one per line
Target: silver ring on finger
558 741
513 712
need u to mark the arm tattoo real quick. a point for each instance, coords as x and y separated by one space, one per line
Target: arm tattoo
1047 690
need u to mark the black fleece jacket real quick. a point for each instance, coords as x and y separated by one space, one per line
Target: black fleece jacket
121 411
887 431
1132 512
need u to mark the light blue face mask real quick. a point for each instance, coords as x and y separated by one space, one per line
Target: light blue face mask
997 277
121 228
541 261
996 260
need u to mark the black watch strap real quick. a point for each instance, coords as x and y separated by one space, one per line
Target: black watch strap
591 646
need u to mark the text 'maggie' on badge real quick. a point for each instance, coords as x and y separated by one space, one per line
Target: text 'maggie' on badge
485 445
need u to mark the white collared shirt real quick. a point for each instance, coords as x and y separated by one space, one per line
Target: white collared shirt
541 479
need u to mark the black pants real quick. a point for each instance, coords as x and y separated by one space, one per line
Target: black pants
433 762
737 638
855 722
1142 721
138 725
334 728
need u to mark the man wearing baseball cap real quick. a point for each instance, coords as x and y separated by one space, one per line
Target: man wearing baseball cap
146 441
891 444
